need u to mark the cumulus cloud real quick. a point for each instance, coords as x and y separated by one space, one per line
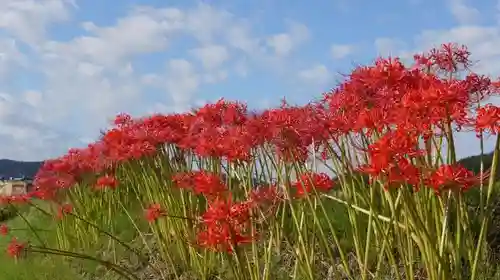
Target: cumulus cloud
284 43
146 60
182 82
23 130
211 56
462 12
110 45
28 20
87 79
388 46
10 57
340 51
317 75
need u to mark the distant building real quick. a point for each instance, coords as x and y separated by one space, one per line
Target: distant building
14 187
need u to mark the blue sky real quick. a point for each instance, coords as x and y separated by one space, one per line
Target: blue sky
67 67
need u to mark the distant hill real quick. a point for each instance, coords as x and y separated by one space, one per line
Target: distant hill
16 169
473 163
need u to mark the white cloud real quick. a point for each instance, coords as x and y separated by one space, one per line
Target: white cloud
33 98
215 76
29 19
82 82
241 68
281 43
463 13
23 133
340 51
10 57
284 43
182 82
239 37
206 22
112 44
317 75
211 56
388 46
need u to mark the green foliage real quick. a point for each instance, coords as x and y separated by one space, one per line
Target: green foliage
37 267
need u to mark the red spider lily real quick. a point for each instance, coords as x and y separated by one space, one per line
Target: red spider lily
225 225
106 181
122 120
4 229
265 195
153 212
309 181
389 157
14 199
488 118
64 210
15 248
397 103
201 182
454 177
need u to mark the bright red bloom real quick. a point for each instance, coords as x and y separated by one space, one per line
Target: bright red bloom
225 225
14 199
63 210
123 120
4 229
15 248
106 181
390 155
403 172
310 180
455 177
201 182
488 118
153 212
265 195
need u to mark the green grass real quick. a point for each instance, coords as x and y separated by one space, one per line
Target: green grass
36 266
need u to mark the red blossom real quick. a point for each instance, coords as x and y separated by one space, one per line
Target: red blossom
225 225
488 119
4 229
153 212
400 105
265 195
15 248
106 181
309 181
454 177
201 182
64 210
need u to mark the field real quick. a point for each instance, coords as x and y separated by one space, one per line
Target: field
362 184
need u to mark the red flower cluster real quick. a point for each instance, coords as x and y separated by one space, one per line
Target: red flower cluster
389 107
309 181
15 248
4 229
201 182
488 119
455 177
153 212
106 181
265 195
390 158
63 210
226 225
